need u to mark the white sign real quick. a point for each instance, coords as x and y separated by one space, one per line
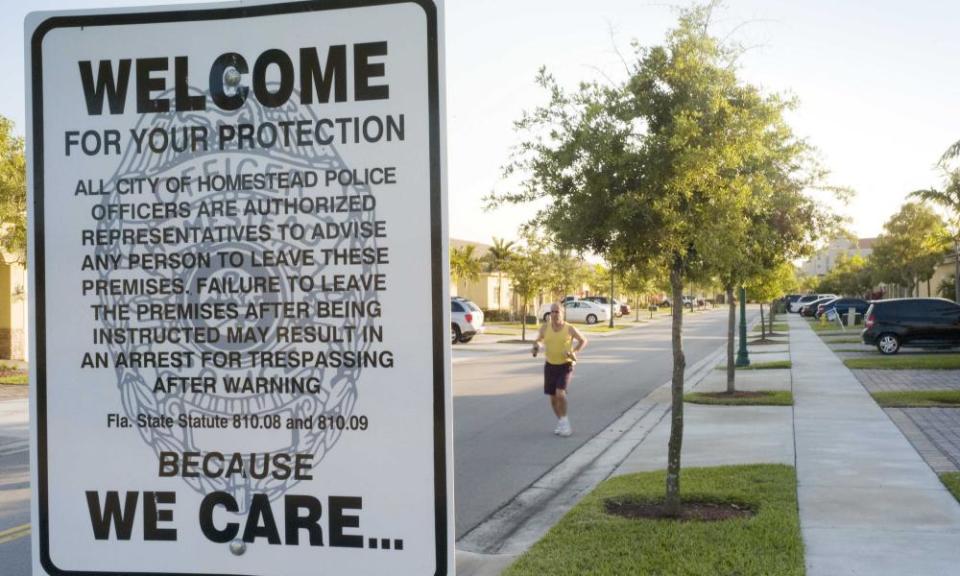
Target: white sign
238 266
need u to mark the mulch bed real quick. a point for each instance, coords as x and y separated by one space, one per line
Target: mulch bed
690 511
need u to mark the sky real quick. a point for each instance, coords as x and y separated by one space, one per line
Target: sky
876 83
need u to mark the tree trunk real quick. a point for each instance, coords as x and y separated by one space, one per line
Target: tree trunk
763 325
772 306
523 321
731 325
679 364
611 296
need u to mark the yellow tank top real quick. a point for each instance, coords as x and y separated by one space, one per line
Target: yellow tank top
557 343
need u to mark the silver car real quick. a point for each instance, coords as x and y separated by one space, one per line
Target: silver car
466 320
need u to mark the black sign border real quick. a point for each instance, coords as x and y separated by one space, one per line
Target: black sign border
439 336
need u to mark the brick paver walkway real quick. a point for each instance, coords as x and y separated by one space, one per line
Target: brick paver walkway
906 380
934 432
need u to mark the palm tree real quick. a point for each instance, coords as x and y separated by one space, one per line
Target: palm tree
463 266
948 198
498 256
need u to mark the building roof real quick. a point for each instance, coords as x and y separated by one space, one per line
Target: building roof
479 250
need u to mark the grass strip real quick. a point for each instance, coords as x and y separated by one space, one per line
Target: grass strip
829 341
828 327
910 362
777 327
952 481
918 399
599 329
772 365
588 541
15 379
767 398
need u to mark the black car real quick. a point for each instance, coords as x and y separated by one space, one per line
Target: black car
843 306
809 309
922 322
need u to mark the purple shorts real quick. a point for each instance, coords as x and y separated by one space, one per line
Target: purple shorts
556 377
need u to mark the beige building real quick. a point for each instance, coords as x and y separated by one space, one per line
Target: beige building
491 290
13 309
944 271
826 258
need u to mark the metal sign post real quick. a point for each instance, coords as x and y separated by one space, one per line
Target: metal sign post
238 244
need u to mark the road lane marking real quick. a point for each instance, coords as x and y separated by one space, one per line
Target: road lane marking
15 533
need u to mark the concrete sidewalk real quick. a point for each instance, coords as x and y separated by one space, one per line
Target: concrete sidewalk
869 504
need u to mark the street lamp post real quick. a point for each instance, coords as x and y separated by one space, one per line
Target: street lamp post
743 359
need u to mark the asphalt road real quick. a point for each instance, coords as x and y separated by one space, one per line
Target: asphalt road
503 425
14 489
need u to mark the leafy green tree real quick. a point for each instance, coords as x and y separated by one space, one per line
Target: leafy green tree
948 198
497 258
853 276
564 271
463 264
649 171
13 193
909 249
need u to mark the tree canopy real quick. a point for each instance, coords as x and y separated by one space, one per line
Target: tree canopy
13 193
665 169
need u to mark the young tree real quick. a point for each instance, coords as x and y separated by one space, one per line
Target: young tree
527 269
647 169
13 193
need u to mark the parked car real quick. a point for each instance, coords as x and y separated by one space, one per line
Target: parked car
921 322
579 311
466 320
809 309
804 300
843 305
790 299
618 307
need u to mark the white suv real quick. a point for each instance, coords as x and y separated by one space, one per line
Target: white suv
466 320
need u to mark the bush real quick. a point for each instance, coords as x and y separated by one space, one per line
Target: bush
498 315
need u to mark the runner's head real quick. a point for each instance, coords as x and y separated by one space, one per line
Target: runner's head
556 312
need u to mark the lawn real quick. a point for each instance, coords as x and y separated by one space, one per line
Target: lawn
831 327
907 362
918 399
15 379
777 327
588 541
844 340
952 481
765 398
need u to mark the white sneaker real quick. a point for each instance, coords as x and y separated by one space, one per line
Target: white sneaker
559 427
564 429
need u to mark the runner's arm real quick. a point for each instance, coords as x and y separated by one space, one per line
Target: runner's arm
580 338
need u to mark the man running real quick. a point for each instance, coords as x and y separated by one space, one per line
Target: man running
561 354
